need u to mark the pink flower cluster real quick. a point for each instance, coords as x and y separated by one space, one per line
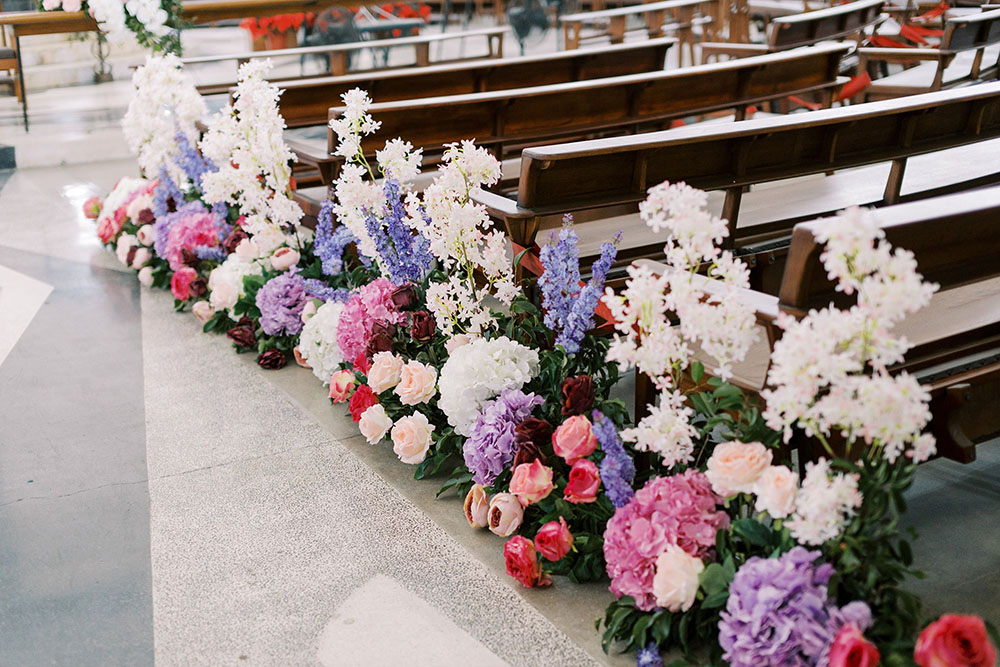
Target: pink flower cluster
189 232
368 304
680 510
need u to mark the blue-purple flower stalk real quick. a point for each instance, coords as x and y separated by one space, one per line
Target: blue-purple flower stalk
617 468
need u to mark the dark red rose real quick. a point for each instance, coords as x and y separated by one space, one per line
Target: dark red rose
383 329
199 287
362 399
526 453
171 205
422 326
533 430
272 359
242 336
404 297
146 216
131 255
378 343
578 395
234 239
248 322
189 257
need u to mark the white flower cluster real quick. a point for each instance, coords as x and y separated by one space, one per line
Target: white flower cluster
164 103
824 503
111 16
477 372
225 282
712 316
246 142
318 341
666 430
819 377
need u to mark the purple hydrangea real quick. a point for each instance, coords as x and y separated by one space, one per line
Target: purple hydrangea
281 301
161 229
779 612
569 309
649 656
617 468
490 446
330 243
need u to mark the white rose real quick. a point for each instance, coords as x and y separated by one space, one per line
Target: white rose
145 235
374 424
675 583
125 243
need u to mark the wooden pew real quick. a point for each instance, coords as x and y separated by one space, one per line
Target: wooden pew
956 338
788 32
602 181
969 50
308 101
506 121
340 53
658 17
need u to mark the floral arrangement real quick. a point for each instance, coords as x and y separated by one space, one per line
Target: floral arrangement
276 25
153 23
404 305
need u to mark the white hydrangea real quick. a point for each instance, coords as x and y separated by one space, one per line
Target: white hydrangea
225 282
477 372
111 14
824 504
666 430
318 341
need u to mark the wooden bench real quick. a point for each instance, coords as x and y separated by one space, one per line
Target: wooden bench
506 121
658 17
603 181
308 101
340 53
956 338
969 50
787 32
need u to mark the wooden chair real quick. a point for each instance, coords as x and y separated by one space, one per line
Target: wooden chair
969 50
956 338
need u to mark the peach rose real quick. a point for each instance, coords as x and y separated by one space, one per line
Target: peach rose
341 386
675 583
417 383
384 372
203 311
145 235
505 514
776 489
284 258
374 424
141 256
477 506
531 482
224 295
574 439
146 276
308 310
411 438
735 466
299 359
247 250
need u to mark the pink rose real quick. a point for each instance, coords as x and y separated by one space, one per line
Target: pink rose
374 424
341 386
284 258
477 506
92 207
675 583
522 562
574 439
955 641
180 283
776 489
411 438
735 466
384 371
203 311
417 383
505 514
146 276
851 649
145 235
554 540
584 480
531 482
108 228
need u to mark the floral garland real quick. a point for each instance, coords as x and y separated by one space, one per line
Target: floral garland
406 308
153 23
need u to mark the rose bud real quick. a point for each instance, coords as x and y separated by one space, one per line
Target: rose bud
584 480
341 385
522 562
574 439
554 540
578 395
199 287
404 297
146 216
955 640
477 506
146 235
457 341
422 326
535 431
203 311
272 359
92 208
851 649
505 514
374 424
180 283
362 399
243 336
189 257
383 329
284 258
233 240
308 310
531 482
146 276
526 453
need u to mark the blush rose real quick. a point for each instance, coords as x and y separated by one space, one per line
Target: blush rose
574 439
411 438
531 482
735 466
584 480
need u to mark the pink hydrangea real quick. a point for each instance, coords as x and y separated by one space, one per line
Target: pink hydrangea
368 304
680 510
191 231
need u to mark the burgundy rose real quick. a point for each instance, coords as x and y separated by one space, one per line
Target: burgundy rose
242 336
578 395
234 239
378 343
199 287
146 216
422 326
272 359
248 322
533 430
404 297
527 452
383 329
189 257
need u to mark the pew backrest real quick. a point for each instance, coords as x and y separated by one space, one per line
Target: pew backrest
836 22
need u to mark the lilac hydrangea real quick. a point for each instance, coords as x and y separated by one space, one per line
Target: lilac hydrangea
281 301
491 446
617 468
330 243
569 309
779 612
405 253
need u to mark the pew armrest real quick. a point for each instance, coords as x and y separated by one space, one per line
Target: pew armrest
500 207
313 156
733 50
896 56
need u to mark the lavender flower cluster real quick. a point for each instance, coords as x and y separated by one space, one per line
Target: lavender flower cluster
191 161
617 468
281 301
491 446
329 242
317 289
405 252
166 195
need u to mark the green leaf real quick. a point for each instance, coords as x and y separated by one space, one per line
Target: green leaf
713 579
697 371
753 532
